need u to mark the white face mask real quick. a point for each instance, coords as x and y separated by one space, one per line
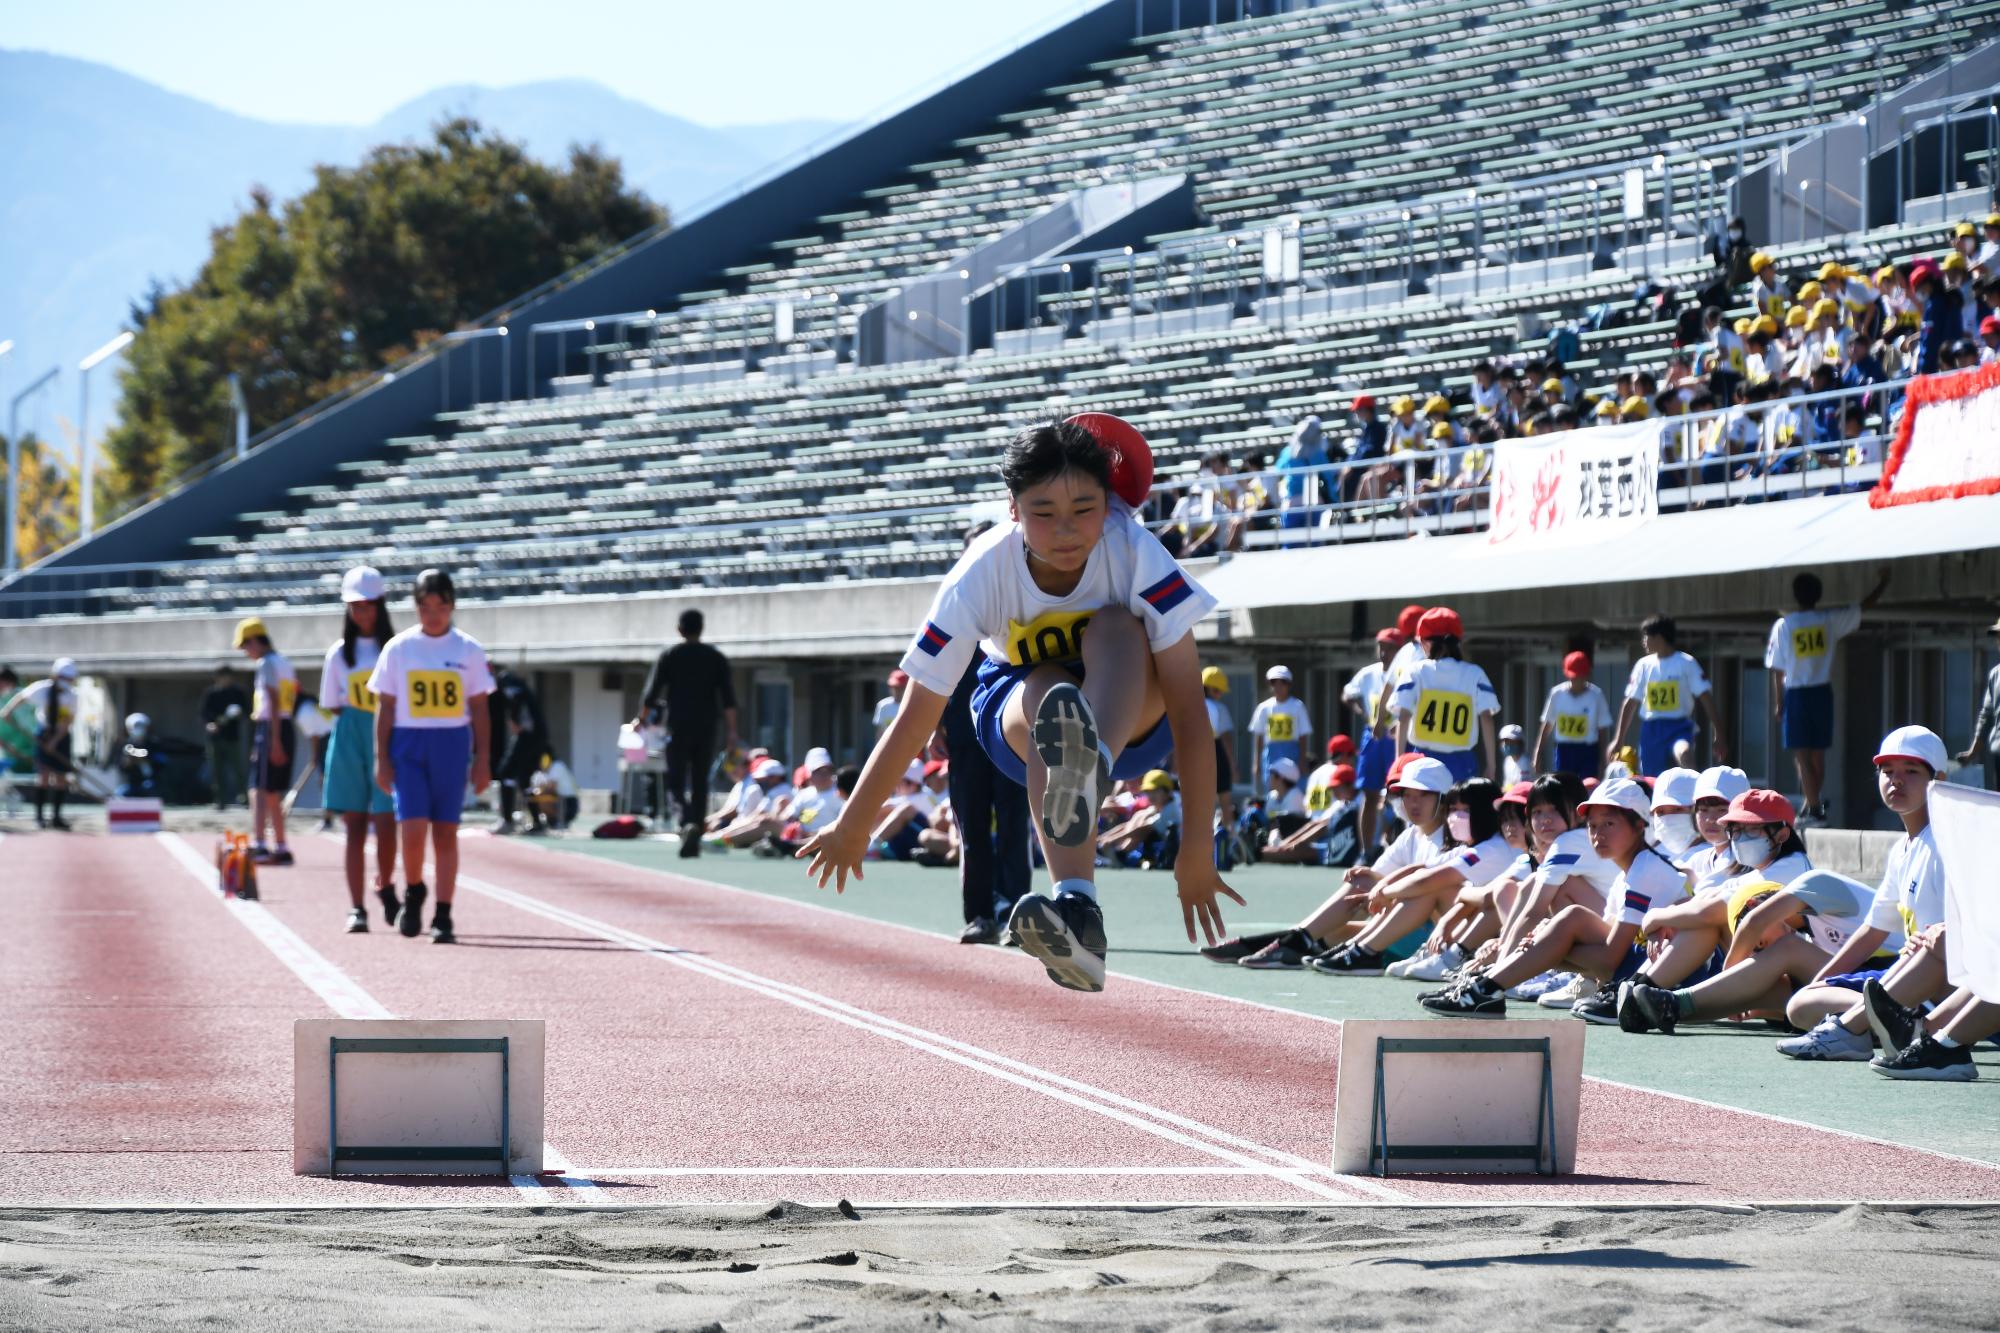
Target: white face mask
1396 809
1459 822
1676 832
1754 850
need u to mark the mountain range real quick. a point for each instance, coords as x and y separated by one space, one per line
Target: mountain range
108 183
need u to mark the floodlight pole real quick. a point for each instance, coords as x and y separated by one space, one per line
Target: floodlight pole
86 506
13 558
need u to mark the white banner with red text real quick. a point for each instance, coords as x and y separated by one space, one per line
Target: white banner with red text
1576 485
1947 442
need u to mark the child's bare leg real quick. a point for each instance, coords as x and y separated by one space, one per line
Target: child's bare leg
416 837
1763 981
1682 956
445 838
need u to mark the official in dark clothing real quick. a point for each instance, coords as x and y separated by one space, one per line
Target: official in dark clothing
518 730
223 709
992 866
691 683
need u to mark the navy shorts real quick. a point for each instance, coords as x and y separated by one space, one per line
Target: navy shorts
1462 763
431 765
1378 755
1808 717
268 774
1854 981
1580 758
996 684
1657 738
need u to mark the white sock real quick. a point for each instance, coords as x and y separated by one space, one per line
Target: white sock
1087 888
1945 1042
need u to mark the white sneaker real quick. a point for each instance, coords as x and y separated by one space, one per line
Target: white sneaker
1573 987
1828 1040
1432 967
1534 988
1401 967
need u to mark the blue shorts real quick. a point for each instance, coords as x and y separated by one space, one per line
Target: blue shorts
1854 981
1276 750
996 684
350 767
1657 738
907 840
1808 717
1635 959
1378 753
1581 758
432 764
1462 763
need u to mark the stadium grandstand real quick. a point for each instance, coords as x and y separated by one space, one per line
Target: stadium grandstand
1229 224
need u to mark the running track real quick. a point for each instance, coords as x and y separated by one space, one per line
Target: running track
713 1045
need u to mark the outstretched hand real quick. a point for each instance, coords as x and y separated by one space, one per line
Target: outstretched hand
1199 885
834 853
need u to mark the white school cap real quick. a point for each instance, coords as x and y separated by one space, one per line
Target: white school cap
1620 794
915 772
1918 743
1286 769
817 758
363 583
1425 774
1676 786
1721 783
64 669
1278 673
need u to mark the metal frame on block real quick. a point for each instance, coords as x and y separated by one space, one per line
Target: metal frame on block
1381 1151
337 1046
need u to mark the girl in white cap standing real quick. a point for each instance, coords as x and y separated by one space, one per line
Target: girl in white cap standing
54 702
1279 726
350 789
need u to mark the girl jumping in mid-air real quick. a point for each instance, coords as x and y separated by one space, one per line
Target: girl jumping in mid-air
1088 674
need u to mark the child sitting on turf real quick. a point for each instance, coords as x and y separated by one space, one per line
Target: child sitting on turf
1285 804
1144 836
1090 673
899 833
770 789
1330 835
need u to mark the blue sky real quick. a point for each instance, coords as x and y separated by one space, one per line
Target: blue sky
733 63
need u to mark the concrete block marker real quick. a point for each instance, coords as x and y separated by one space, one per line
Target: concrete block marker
450 1091
1461 1096
132 814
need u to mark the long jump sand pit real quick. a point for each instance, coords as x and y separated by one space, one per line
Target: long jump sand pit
787 1266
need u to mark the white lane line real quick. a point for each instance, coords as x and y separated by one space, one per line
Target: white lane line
935 1171
341 992
1138 1115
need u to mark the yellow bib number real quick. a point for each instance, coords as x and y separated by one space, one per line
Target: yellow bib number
1278 727
1572 727
436 694
1663 696
1910 927
1443 720
1318 798
288 700
1054 637
1809 641
359 697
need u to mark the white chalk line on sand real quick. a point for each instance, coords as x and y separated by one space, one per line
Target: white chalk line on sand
1855 1134
1181 1130
1053 1171
342 994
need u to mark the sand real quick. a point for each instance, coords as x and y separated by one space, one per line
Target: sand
790 1267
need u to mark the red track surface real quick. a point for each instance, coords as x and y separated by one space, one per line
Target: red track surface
151 1040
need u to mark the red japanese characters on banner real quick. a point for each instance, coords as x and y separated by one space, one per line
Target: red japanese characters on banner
1576 485
1947 441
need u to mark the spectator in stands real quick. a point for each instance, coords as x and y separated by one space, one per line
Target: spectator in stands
1666 689
690 690
1768 290
1370 442
1986 723
1487 393
1253 489
1445 705
1799 655
1943 318
886 706
1989 339
223 708
1574 716
1301 465
1725 360
1279 726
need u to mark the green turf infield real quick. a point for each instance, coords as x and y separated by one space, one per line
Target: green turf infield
1719 1063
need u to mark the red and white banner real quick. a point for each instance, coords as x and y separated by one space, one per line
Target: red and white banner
1947 443
1576 485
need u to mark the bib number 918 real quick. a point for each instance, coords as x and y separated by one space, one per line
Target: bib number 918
435 694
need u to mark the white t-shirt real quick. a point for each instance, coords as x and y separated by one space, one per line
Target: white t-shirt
1412 847
1780 872
990 602
1281 722
340 687
813 808
1571 856
1365 688
45 697
1483 863
273 678
434 679
745 797
1292 802
1652 881
1577 719
1320 800
1666 687
885 711
1711 866
1444 701
1911 896
1801 644
1170 810
1836 907
1219 720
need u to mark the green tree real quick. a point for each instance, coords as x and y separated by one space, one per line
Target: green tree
373 262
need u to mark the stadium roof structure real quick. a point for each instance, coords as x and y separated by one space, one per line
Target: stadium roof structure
1803 533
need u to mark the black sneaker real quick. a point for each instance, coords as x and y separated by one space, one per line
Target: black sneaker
391 905
1065 734
1601 1008
441 932
58 823
1642 1008
1895 1026
1925 1059
1481 999
280 856
411 919
357 921
980 930
1353 961
1066 935
502 826
690 841
1239 947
